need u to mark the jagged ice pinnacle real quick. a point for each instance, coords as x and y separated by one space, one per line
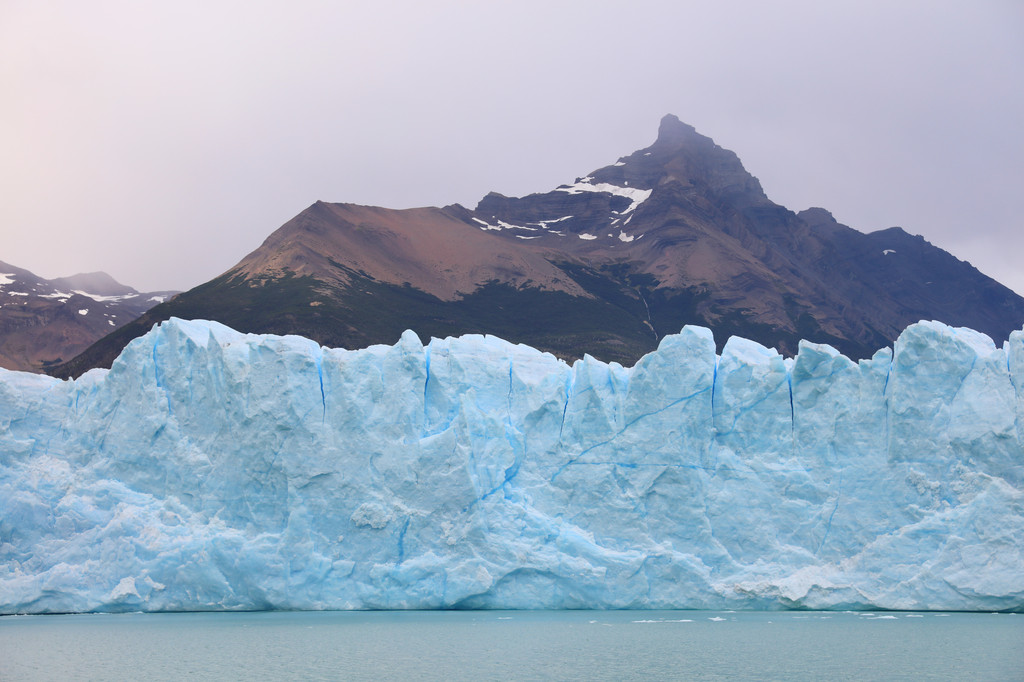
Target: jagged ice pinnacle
214 470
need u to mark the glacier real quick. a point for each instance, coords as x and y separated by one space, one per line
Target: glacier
214 470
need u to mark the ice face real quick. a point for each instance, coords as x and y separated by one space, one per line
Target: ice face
215 470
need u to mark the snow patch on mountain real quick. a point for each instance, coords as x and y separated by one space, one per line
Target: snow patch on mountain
101 299
636 196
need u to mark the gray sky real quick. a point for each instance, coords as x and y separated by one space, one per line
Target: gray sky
161 142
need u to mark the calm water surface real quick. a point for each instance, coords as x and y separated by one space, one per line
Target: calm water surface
541 645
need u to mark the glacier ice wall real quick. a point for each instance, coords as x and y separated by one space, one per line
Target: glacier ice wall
214 470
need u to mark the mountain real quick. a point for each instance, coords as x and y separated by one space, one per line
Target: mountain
676 233
45 322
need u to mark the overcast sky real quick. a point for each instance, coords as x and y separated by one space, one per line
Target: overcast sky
162 141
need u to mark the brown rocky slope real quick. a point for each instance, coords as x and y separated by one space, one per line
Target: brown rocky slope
676 233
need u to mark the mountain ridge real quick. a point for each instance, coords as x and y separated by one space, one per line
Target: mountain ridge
676 233
44 322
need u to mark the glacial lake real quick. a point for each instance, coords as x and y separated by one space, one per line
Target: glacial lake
524 645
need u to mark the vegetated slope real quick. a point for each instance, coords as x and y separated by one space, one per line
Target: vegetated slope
676 233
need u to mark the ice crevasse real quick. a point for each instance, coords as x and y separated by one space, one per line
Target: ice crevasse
209 469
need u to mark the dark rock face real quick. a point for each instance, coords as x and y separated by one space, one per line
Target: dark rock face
677 233
768 273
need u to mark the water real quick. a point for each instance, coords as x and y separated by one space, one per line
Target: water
474 645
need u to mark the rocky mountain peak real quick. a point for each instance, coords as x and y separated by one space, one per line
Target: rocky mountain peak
679 171
686 157
672 132
99 283
675 233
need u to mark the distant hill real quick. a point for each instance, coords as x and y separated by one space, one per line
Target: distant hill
47 322
676 233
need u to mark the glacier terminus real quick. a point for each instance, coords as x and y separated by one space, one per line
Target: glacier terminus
213 470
